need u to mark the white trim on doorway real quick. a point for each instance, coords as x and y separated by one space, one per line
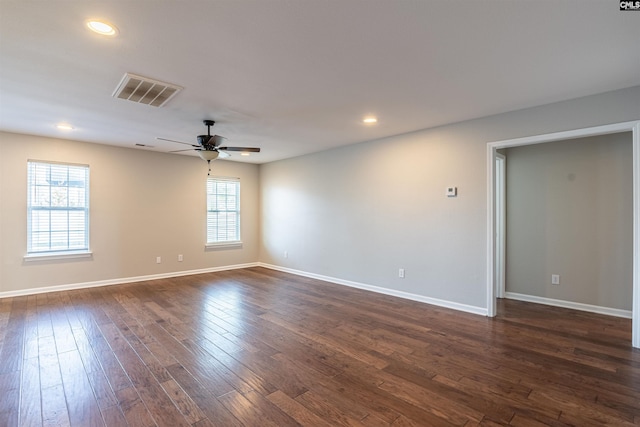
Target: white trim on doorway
634 128
501 224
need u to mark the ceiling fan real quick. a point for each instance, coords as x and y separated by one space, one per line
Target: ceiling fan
208 146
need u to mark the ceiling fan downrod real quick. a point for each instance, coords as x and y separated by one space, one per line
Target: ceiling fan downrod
208 124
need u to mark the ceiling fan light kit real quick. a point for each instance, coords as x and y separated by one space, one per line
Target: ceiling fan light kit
208 155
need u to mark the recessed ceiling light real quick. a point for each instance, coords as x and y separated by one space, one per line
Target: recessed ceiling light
102 27
369 120
64 126
244 153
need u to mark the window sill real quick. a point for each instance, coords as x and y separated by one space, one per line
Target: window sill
57 256
223 245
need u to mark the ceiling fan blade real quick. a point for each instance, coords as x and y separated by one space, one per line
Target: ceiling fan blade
217 140
179 142
180 151
245 149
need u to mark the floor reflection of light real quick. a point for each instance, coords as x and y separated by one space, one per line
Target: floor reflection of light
222 318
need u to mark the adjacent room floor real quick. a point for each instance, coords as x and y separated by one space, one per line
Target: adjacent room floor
257 347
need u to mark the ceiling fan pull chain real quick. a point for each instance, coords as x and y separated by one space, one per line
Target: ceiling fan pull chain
209 163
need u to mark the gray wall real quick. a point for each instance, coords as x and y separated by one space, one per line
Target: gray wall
361 212
143 205
570 212
355 213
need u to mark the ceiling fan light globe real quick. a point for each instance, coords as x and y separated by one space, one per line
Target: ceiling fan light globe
208 155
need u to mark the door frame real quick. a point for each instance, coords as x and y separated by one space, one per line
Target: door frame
634 128
501 224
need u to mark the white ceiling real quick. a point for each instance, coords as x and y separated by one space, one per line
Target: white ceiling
298 76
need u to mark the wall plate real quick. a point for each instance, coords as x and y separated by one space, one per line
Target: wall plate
452 191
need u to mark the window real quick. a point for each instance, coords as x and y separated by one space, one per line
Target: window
223 210
57 209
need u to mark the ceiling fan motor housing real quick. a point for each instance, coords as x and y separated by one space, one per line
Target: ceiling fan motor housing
210 142
203 141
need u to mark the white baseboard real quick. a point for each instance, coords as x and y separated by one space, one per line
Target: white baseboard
400 294
122 280
119 281
569 304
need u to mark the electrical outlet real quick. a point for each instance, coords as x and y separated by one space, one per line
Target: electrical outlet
555 279
180 258
401 273
158 260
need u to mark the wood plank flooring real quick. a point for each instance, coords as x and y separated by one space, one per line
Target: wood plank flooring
257 347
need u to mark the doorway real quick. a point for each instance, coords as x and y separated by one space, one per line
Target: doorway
495 250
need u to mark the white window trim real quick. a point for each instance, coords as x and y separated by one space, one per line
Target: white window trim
68 254
224 245
55 256
232 243
64 254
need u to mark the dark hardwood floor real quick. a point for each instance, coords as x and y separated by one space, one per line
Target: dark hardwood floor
257 347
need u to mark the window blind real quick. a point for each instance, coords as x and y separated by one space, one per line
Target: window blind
57 207
223 210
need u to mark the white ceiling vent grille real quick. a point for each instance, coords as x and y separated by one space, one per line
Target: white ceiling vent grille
144 90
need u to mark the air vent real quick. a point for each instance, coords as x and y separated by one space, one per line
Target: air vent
144 90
